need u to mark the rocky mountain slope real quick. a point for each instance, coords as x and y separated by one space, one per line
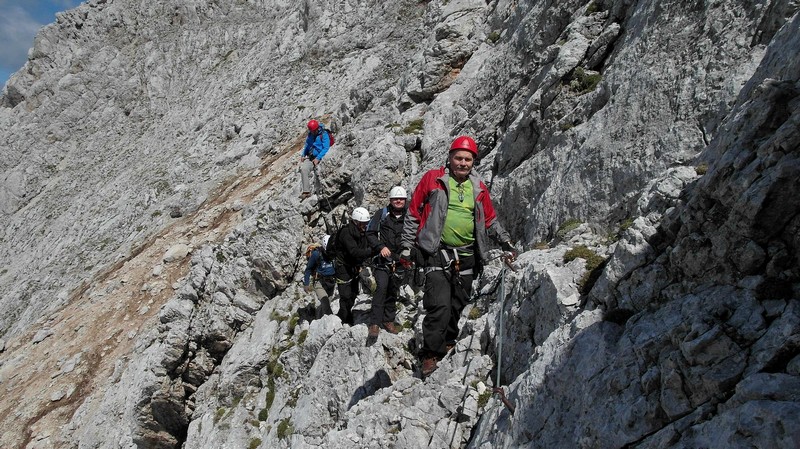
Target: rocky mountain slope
644 155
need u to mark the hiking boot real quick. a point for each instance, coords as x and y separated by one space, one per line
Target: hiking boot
374 330
429 365
391 327
305 195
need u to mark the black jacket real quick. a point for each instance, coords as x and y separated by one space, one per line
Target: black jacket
386 231
353 251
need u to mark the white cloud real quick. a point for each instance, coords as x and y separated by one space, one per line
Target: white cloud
17 30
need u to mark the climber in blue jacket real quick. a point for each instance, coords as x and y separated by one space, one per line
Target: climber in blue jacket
318 143
319 277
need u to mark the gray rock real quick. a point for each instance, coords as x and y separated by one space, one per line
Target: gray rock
42 334
681 121
176 252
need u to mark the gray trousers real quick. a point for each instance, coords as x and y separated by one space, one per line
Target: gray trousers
324 287
305 174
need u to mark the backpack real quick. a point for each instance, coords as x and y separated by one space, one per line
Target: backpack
375 225
330 136
332 250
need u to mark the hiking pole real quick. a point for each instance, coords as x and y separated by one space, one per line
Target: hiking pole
497 388
500 325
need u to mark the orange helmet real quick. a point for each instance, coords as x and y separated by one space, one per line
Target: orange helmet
465 143
313 125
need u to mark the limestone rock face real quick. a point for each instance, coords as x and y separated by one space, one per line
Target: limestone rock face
644 157
698 308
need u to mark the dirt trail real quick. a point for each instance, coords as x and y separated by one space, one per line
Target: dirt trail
44 383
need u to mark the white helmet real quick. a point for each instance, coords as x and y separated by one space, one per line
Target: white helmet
325 241
360 214
398 192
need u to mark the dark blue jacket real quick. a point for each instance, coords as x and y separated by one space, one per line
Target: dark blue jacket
316 263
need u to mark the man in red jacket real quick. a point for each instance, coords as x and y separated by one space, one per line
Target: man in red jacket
449 219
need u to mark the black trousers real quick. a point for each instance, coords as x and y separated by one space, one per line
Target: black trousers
348 291
384 307
445 296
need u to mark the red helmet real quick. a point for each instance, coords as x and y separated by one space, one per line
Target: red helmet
313 125
465 143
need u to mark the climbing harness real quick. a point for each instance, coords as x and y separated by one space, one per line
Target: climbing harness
447 263
451 268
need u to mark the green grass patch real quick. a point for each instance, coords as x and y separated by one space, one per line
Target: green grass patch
414 126
475 313
219 414
626 224
269 400
285 428
254 443
594 266
483 398
623 226
582 252
701 169
276 316
567 226
293 323
583 82
275 368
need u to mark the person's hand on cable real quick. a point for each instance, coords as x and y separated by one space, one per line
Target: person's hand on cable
386 252
308 288
509 253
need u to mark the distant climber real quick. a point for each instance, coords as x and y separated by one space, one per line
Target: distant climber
385 233
320 277
352 253
317 145
449 218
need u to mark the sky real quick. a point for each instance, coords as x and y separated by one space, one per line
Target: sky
19 22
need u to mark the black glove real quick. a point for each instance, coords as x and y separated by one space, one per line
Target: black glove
509 253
